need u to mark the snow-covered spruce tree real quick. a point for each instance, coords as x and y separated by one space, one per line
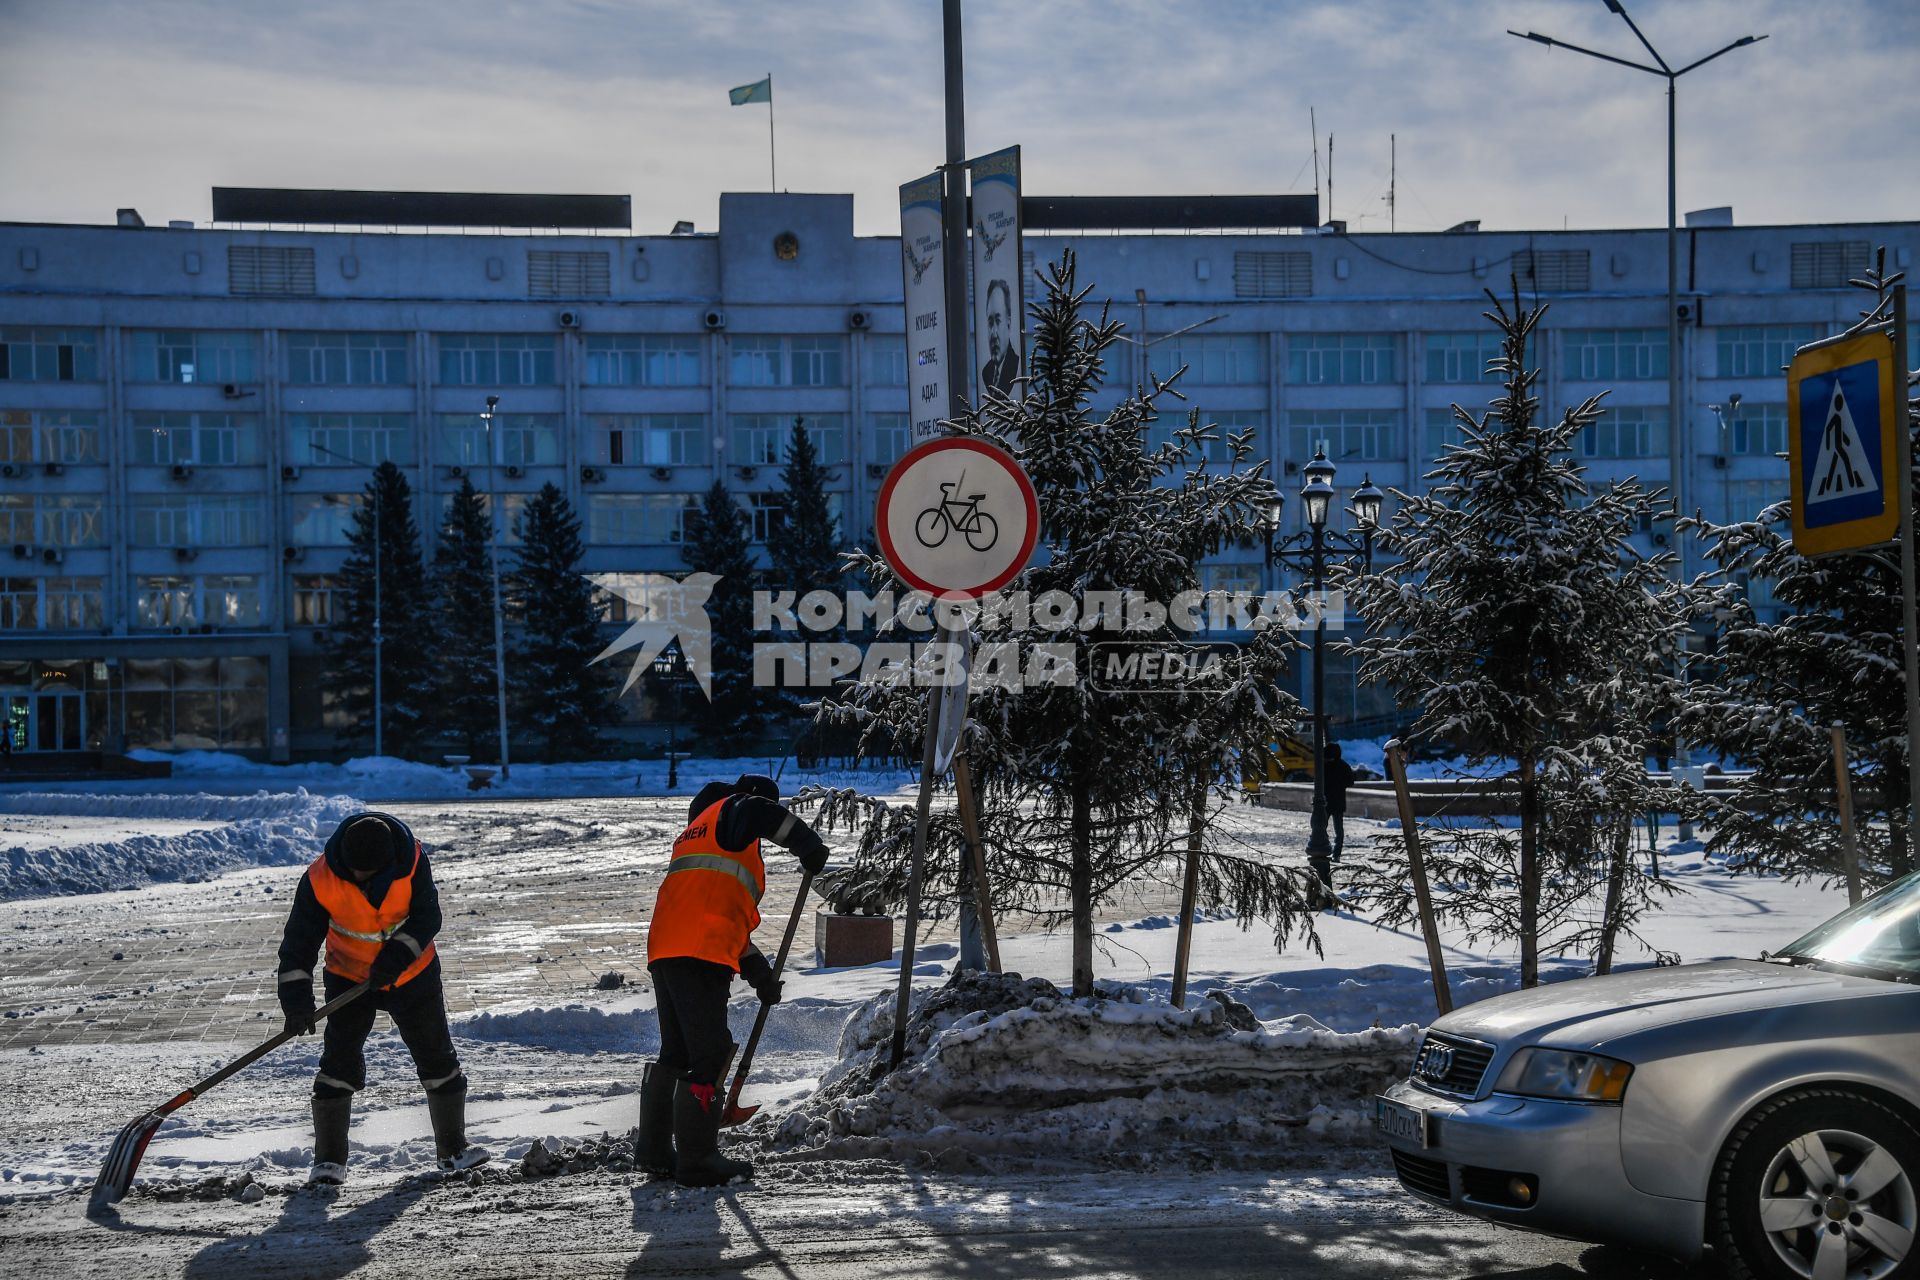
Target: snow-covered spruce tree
1522 623
1767 699
558 696
716 543
409 672
463 587
1084 791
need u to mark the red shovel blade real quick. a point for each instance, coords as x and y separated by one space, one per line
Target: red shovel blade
123 1157
737 1114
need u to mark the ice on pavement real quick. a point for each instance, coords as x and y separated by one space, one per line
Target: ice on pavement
108 841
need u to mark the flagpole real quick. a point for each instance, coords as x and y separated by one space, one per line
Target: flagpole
773 173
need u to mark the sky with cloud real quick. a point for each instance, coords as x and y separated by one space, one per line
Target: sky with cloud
149 103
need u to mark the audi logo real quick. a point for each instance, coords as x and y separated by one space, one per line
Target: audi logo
1436 1060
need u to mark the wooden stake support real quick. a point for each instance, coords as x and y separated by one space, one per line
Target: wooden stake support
1417 866
1843 792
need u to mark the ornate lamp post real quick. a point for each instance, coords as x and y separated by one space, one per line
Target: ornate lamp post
670 668
1308 551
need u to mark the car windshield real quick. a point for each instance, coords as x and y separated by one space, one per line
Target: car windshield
1880 935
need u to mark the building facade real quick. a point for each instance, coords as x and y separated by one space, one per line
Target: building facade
188 415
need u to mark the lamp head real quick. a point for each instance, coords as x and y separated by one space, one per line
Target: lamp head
1317 491
1276 506
1366 503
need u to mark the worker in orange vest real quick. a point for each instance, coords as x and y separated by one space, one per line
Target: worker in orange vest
370 897
701 934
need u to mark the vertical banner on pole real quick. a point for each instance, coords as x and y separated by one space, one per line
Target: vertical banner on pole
999 316
923 273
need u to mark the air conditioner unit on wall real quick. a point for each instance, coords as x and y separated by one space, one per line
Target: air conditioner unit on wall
52 555
715 319
289 473
515 471
569 319
592 475
662 473
859 320
181 471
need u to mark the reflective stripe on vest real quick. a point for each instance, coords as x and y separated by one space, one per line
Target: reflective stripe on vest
717 862
356 929
707 917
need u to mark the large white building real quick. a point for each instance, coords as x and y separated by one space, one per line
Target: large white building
187 414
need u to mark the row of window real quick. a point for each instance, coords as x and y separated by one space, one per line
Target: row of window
824 360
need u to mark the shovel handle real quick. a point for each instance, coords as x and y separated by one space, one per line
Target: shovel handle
253 1055
760 1019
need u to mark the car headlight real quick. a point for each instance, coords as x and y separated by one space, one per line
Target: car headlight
1569 1076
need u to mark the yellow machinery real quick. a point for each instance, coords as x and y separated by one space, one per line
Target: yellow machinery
1288 760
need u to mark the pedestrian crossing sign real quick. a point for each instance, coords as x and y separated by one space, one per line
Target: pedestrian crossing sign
1843 447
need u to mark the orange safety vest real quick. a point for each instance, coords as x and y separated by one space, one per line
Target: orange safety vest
356 929
709 903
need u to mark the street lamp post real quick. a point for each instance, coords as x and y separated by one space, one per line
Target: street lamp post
1308 551
378 704
499 625
1676 417
669 667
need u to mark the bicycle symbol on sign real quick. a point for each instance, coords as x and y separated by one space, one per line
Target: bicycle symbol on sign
951 515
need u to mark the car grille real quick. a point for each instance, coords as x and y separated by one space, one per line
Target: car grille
1417 1173
1451 1064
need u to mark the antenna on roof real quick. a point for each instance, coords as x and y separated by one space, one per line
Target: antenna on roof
1393 173
1329 175
1313 127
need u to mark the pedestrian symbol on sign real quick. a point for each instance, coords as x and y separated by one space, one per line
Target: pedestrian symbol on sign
1840 467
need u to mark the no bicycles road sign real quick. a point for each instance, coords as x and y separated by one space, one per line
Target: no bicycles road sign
957 518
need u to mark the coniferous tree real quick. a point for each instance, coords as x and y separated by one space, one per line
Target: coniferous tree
1769 696
1527 629
716 543
559 696
409 675
1085 790
463 579
803 537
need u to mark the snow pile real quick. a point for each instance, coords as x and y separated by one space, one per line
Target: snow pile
1000 1066
263 830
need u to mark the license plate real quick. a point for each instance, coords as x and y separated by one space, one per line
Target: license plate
1397 1120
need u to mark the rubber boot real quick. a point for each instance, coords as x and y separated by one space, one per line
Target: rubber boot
447 1109
331 1117
696 1139
653 1140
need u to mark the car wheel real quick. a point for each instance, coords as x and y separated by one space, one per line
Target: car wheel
1818 1184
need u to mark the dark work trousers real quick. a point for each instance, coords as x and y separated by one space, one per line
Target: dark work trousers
419 1012
691 996
1339 817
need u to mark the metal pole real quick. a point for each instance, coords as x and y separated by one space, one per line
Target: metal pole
967 801
379 715
499 624
1678 427
1910 633
1319 851
773 172
953 234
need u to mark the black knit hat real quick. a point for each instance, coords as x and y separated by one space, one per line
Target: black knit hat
757 784
367 843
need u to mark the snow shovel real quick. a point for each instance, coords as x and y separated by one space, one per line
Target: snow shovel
735 1113
123 1157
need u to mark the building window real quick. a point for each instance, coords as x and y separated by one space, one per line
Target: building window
887 360
1590 355
1742 500
1463 357
760 509
349 439
760 439
1343 359
1758 430
1212 359
198 439
1761 350
49 435
512 507
1232 577
50 604
49 355
1360 435
497 359
321 519
525 439
807 360
648 439
313 599
185 355
889 436
196 703
643 360
1442 428
49 520
347 359
1634 431
639 519
197 520
215 600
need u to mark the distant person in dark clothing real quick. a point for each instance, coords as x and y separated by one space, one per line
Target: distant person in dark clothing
1339 778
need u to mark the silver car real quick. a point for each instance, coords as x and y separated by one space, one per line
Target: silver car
1770 1108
